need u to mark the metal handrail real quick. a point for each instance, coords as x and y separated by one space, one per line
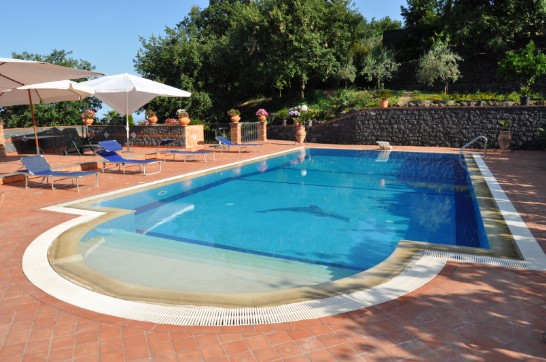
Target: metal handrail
474 141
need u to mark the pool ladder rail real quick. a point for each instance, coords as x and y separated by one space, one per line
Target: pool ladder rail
474 140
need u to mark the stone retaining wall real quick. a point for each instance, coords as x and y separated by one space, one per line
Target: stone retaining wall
444 127
190 137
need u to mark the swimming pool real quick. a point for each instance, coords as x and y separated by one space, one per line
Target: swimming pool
292 221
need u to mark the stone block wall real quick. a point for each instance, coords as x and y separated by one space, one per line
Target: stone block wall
143 136
444 127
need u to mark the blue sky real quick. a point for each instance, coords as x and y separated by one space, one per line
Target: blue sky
106 32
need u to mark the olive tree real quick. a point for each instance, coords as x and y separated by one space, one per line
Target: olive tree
439 63
379 64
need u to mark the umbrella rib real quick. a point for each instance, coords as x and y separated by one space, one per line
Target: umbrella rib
8 78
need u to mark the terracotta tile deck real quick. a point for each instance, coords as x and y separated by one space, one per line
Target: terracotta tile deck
468 312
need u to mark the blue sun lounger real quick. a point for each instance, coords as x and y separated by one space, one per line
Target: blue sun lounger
226 144
38 166
185 153
110 155
123 163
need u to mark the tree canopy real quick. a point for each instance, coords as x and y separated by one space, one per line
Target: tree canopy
235 50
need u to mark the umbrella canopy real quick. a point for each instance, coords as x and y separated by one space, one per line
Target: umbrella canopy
49 92
126 93
16 72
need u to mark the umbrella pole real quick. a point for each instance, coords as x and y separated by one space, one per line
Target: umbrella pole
127 121
34 122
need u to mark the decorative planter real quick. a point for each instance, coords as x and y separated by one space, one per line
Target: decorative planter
88 121
235 119
504 140
524 100
152 119
384 103
262 118
184 121
300 134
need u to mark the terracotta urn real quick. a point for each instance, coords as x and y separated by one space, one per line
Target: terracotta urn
152 119
300 133
235 119
504 140
384 103
88 121
184 121
262 118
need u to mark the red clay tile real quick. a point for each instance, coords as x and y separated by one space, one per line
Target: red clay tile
278 337
469 310
210 351
288 349
266 354
235 347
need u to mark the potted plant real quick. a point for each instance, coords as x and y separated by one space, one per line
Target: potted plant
505 135
262 114
525 95
152 118
383 95
234 115
88 117
183 117
524 66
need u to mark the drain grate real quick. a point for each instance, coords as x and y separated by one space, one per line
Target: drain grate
478 259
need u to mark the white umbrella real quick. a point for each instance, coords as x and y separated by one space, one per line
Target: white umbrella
126 93
16 72
49 92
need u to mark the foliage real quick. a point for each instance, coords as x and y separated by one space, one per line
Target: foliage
171 121
524 66
346 73
89 114
490 26
233 112
505 124
439 63
380 65
113 118
181 113
150 113
383 93
54 114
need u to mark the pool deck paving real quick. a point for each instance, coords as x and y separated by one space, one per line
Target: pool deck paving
469 312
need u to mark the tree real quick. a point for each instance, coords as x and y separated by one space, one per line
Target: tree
380 65
524 66
347 73
439 63
54 114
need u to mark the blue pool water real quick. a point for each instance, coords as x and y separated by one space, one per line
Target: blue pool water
294 220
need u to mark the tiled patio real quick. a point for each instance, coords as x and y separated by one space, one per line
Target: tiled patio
468 312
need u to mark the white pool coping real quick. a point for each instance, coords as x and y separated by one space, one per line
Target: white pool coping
38 270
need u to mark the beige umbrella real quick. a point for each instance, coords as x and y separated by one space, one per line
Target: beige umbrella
16 73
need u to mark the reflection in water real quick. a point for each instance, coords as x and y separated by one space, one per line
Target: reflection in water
311 209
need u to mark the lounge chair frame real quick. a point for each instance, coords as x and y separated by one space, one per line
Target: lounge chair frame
77 144
185 153
226 144
37 166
